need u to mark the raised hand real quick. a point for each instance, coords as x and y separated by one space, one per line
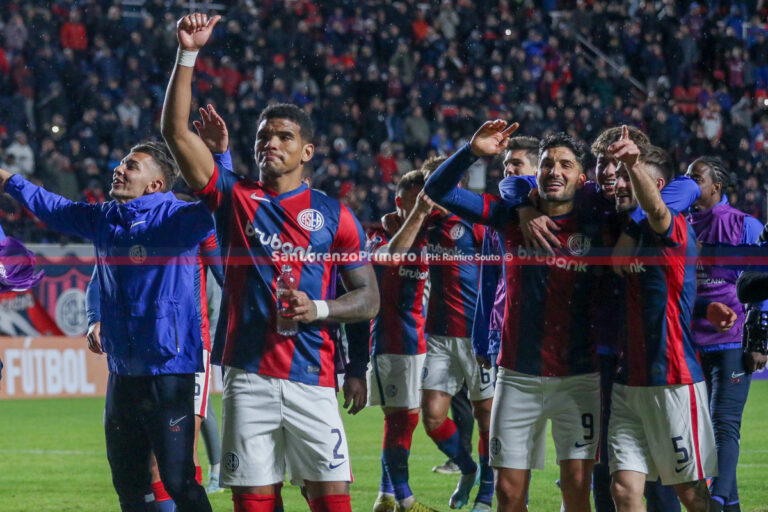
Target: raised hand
193 30
213 130
625 150
424 204
491 139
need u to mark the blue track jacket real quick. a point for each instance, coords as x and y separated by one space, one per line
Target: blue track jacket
147 263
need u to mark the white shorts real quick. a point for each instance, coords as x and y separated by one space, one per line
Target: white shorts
662 431
268 423
521 408
395 380
450 362
203 385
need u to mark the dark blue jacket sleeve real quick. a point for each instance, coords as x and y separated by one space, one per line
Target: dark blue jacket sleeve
92 300
489 280
679 195
357 349
443 188
57 212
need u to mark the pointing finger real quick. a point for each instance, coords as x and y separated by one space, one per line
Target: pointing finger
624 132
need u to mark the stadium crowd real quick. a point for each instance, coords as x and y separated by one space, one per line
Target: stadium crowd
385 83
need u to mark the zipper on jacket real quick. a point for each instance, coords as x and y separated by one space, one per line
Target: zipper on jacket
176 331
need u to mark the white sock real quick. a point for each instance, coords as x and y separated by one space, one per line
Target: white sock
407 501
213 470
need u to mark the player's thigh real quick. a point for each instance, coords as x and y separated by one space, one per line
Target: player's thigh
128 446
203 386
442 371
680 435
395 380
627 444
518 425
479 380
171 426
252 443
316 444
573 406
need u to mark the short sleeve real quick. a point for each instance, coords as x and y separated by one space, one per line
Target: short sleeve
219 188
349 241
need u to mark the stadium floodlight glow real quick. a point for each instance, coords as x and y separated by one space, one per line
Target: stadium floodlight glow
55 129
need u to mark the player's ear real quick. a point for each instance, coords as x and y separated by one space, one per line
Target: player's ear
307 152
660 183
582 179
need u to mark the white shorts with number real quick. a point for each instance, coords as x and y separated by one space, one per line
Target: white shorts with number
268 423
523 404
662 431
203 385
394 380
450 362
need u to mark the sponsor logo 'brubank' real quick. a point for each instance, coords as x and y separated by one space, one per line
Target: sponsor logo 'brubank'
272 241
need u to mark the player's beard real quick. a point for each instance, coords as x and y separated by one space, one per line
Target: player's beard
626 206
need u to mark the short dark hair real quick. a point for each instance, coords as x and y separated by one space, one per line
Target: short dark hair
659 160
718 170
529 144
411 180
562 139
292 113
162 156
611 135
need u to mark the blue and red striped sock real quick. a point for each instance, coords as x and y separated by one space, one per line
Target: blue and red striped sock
398 433
485 493
386 484
446 436
163 501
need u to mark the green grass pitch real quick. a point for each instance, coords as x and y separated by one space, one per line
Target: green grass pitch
52 457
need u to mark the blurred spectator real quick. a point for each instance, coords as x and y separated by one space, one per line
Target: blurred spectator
21 153
386 83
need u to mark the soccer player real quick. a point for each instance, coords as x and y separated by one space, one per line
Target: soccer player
279 399
547 367
146 245
208 250
720 349
659 379
522 159
452 244
398 344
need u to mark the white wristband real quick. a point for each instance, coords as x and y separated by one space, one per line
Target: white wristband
186 58
322 309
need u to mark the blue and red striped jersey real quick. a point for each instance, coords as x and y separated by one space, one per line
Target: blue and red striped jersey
547 326
453 245
260 231
658 345
399 326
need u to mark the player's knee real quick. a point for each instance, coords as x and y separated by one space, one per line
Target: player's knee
510 493
624 493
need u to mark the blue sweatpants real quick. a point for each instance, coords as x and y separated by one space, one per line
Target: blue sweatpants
728 387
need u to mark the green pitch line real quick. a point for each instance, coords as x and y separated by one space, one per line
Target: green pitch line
52 458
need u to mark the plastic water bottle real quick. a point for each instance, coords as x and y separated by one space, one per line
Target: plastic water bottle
285 281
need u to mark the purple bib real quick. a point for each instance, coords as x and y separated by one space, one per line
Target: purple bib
723 224
17 266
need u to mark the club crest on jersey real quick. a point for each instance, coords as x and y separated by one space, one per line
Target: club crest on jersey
457 231
579 244
311 219
231 462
